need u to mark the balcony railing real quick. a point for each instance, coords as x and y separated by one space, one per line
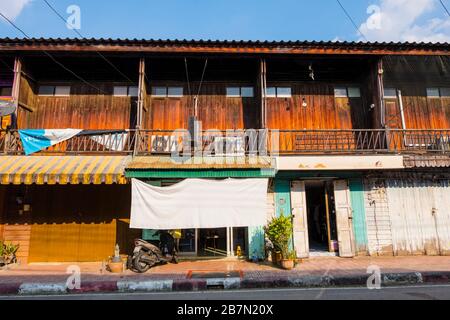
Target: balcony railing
96 142
241 143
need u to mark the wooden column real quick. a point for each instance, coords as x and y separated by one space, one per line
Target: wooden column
142 94
262 85
16 90
142 89
380 92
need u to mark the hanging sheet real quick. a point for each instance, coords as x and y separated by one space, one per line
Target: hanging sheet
199 203
34 140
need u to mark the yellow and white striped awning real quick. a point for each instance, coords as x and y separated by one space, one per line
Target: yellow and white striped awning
63 169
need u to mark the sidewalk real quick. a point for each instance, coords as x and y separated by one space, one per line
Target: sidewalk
226 274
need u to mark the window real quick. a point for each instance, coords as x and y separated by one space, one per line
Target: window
247 92
340 92
133 91
125 91
61 91
347 92
354 92
163 92
237 92
438 92
284 92
390 93
445 92
278 92
175 91
271 92
5 91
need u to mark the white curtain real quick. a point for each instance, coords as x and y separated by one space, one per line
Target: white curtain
199 203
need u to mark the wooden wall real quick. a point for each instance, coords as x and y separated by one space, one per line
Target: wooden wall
420 112
215 110
323 110
70 223
85 108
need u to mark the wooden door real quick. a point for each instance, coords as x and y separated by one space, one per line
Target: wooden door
344 218
300 219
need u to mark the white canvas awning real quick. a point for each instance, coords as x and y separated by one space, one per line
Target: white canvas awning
199 203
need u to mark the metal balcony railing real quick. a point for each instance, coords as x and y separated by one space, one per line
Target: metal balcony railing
241 143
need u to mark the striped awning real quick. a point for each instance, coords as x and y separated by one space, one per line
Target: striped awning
63 169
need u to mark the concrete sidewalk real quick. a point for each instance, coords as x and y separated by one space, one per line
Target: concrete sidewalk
226 274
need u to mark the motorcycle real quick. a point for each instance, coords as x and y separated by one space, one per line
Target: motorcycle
146 255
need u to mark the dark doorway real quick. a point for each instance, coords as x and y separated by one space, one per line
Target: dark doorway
212 242
321 217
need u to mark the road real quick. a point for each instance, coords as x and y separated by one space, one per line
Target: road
436 292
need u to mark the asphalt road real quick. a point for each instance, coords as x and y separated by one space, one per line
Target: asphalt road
436 292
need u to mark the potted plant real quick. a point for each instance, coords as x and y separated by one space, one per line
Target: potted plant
8 253
279 232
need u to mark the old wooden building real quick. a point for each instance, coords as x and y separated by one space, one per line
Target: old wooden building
353 137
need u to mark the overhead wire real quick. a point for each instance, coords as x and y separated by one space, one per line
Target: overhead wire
51 57
351 20
81 36
445 7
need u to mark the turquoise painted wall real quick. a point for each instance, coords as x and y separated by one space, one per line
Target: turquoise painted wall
256 242
282 190
359 214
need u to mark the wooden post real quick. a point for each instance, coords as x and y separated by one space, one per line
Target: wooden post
16 90
327 212
262 81
380 91
142 94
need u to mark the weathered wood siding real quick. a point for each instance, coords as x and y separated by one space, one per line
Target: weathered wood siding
85 108
215 110
420 111
323 110
70 223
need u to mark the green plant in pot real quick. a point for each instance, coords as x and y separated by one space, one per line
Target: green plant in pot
8 253
279 232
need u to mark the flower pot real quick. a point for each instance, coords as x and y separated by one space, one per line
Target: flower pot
276 257
287 264
115 267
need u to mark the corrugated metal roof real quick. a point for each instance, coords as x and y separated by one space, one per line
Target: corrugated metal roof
63 169
165 162
223 43
427 161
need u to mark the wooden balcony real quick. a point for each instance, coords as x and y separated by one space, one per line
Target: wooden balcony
243 143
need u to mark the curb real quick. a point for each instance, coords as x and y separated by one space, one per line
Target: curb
307 281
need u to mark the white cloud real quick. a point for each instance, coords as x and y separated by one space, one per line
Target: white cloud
406 20
13 8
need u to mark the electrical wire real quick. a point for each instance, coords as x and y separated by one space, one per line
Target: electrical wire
351 20
51 57
445 7
81 36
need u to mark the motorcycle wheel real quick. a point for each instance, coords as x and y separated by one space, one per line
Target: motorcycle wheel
141 266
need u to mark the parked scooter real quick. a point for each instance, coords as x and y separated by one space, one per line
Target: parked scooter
146 255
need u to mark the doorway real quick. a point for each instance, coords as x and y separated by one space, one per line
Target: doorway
321 217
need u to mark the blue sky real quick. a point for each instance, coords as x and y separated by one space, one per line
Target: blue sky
401 20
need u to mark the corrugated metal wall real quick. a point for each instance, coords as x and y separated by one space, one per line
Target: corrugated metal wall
420 215
378 221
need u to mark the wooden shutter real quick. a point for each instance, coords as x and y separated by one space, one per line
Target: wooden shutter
300 227
344 218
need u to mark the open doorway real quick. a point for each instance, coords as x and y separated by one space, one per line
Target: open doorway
322 232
